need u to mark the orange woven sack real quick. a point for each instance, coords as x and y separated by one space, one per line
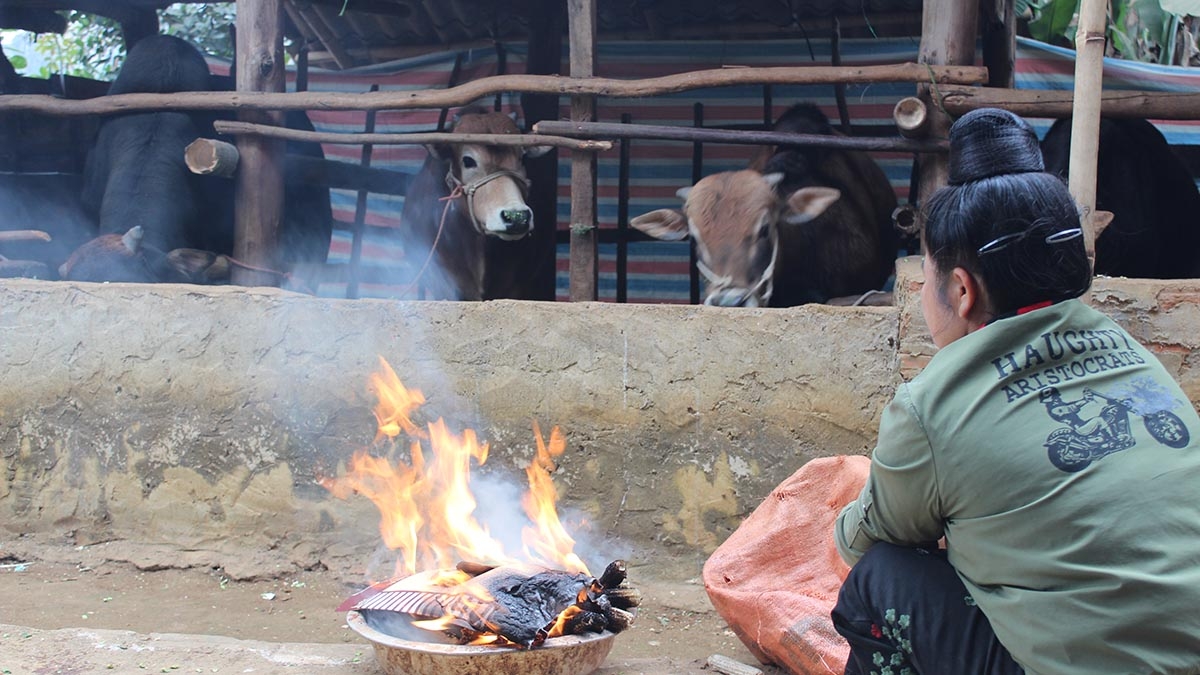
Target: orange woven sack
776 578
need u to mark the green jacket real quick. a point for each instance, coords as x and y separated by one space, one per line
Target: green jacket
1061 462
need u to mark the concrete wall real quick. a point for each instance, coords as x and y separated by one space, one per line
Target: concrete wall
189 425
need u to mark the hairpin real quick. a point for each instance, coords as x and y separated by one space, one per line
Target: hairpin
1004 240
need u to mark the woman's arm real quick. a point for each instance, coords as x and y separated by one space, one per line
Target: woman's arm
900 503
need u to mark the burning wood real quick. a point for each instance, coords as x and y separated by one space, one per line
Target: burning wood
426 509
520 605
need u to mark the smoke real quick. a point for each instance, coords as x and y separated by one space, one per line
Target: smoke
46 201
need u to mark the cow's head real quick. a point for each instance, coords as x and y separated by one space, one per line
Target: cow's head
492 178
734 218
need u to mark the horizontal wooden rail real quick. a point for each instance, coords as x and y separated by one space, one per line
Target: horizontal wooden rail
515 140
693 135
1057 103
490 86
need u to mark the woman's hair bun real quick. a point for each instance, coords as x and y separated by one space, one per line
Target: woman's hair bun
991 142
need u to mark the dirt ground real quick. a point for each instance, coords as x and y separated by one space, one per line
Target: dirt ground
61 617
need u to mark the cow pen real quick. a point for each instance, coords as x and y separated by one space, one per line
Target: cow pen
178 435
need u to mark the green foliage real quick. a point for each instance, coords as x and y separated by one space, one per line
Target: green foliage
90 47
1055 22
206 26
93 46
1138 30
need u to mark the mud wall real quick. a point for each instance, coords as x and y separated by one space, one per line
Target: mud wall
180 425
189 425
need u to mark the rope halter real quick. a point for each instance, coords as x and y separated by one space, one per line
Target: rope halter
469 189
765 283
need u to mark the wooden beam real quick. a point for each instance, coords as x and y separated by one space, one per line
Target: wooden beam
507 140
490 86
323 28
1156 105
692 134
583 254
258 202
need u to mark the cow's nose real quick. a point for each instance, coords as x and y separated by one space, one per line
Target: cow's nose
517 221
732 297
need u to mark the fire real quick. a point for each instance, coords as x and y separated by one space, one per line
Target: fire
427 506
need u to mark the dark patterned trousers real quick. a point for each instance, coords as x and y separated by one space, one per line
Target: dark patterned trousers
904 611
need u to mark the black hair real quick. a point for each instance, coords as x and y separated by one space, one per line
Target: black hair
1003 218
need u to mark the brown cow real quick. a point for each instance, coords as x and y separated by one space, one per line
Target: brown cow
803 225
466 204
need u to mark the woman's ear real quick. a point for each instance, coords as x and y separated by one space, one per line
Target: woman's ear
966 295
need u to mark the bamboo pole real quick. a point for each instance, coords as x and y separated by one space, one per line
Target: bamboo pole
692 134
508 140
1085 122
489 86
1158 105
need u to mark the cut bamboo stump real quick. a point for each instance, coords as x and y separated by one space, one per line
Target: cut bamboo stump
912 117
207 156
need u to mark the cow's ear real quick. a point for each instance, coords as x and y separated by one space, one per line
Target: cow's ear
442 152
537 150
809 202
665 224
1101 220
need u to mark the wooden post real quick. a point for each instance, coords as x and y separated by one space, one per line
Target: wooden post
948 30
545 56
258 208
360 212
999 20
583 273
1085 120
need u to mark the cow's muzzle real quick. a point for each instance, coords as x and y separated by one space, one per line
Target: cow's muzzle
518 221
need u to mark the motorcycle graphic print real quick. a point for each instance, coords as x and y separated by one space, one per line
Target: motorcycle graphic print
1088 435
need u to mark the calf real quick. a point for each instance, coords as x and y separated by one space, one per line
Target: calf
802 225
1154 231
466 211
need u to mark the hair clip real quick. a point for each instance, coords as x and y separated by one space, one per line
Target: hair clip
999 243
1064 235
1052 238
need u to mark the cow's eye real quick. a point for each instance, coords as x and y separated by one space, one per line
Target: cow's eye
468 162
764 231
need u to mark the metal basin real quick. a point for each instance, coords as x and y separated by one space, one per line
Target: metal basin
567 655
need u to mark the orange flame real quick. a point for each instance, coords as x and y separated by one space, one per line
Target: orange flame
427 507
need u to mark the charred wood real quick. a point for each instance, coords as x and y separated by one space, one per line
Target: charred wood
614 575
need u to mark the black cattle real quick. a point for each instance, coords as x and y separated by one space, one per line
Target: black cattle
802 225
135 175
1155 229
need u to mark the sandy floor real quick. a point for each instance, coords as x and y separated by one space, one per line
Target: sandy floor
60 617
